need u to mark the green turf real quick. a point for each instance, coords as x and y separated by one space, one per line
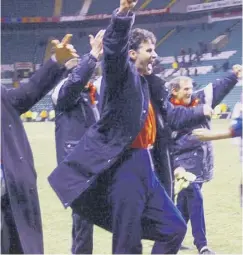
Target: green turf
221 196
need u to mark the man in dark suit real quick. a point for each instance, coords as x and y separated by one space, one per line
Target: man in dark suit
109 177
75 103
21 227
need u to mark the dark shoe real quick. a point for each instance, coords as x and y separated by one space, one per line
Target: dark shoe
206 250
183 248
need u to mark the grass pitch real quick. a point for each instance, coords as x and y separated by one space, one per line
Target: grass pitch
221 199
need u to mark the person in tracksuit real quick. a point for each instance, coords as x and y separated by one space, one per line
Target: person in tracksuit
75 103
193 155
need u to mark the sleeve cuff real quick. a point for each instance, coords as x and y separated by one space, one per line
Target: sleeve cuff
236 128
92 58
122 14
71 63
123 21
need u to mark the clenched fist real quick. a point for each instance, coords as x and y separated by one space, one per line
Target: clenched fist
127 5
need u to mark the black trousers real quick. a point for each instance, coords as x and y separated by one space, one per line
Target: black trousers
130 202
82 235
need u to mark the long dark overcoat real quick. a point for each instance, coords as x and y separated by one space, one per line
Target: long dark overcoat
16 155
125 98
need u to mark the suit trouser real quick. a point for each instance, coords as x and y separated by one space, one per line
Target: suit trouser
130 202
82 235
10 243
190 204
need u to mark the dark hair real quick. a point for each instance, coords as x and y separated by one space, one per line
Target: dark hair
138 36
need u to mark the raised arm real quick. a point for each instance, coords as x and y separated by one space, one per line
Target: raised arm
180 117
28 94
115 43
68 90
216 91
235 130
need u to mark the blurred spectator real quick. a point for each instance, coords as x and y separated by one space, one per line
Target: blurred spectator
182 64
183 60
198 57
34 116
28 116
205 48
226 66
181 71
215 68
43 115
195 72
201 49
183 52
214 51
224 107
190 55
187 72
175 65
52 115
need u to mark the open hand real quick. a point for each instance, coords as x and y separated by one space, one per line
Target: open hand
96 44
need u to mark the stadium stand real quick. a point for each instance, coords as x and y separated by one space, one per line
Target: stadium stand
29 8
152 5
33 45
71 9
